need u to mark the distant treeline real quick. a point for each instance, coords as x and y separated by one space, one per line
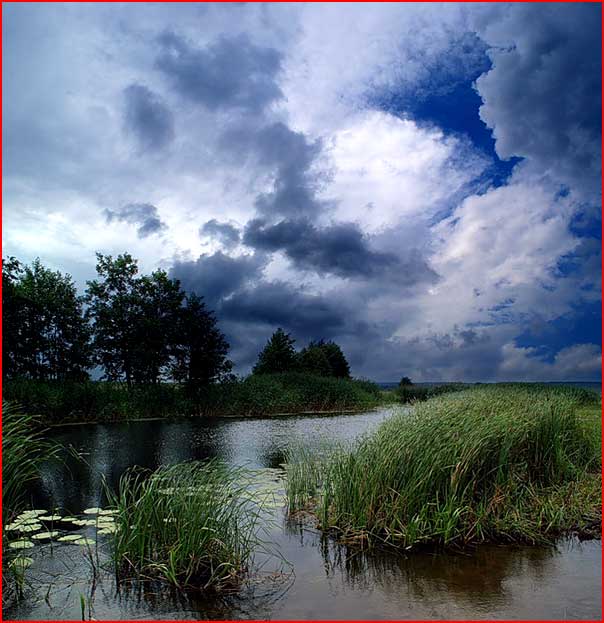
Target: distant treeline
137 329
158 349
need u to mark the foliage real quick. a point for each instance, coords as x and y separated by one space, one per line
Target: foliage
405 381
278 355
335 356
44 333
313 360
201 349
491 463
191 525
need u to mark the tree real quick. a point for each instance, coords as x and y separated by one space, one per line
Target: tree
45 334
278 355
335 357
157 326
114 309
135 320
313 360
201 349
405 382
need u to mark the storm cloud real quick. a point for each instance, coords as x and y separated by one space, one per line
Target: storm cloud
226 233
145 215
147 118
340 249
231 72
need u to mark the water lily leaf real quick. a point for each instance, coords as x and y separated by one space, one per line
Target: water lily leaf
22 544
50 518
70 538
45 536
84 541
92 511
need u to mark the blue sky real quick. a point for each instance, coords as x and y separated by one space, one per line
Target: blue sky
419 182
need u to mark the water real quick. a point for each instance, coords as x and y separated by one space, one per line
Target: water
328 581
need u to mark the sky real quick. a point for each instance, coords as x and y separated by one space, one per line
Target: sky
418 182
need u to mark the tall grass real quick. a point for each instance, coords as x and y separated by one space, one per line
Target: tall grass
192 525
265 394
23 449
489 463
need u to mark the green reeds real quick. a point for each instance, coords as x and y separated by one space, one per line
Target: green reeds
192 525
23 449
488 463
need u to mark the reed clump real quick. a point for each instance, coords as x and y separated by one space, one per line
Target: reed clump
491 463
191 525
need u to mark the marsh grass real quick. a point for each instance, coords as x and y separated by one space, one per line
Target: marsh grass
498 463
192 525
23 449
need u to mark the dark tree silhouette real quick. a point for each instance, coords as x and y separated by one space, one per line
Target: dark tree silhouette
278 355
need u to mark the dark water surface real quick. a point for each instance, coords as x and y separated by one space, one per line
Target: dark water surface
328 581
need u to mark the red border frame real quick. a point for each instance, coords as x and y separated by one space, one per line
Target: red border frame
333 1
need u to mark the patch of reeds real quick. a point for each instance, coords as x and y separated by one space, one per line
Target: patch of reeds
192 525
23 449
265 394
491 463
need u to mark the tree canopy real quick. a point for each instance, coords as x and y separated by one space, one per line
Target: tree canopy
278 355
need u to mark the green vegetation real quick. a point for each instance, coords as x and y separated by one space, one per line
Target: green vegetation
192 525
492 463
412 393
23 449
264 394
160 350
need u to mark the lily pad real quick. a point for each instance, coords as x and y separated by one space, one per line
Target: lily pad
34 527
84 541
45 536
107 530
92 511
50 518
22 544
108 512
70 538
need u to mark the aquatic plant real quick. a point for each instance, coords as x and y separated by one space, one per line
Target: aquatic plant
492 463
23 449
192 525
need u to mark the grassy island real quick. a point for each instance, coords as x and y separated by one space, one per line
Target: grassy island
502 463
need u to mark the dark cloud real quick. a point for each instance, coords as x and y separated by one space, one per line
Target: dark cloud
147 118
217 276
542 97
291 156
226 233
232 72
340 249
144 215
281 304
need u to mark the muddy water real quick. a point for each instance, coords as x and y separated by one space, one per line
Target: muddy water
309 577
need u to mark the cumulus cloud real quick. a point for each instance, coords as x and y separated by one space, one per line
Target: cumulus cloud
542 96
231 72
147 118
226 233
145 215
